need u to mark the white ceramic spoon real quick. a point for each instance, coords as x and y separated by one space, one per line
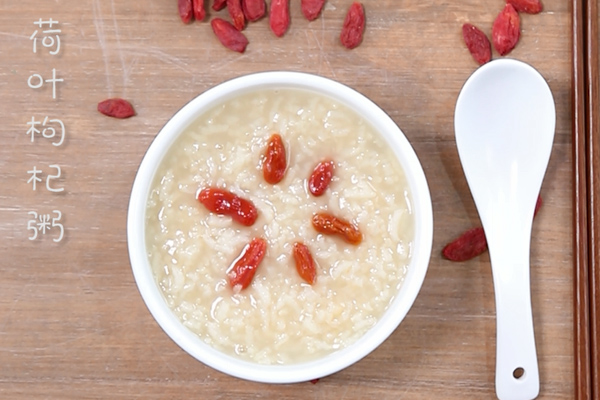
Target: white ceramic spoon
504 125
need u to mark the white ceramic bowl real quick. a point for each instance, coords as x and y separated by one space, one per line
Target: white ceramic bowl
397 310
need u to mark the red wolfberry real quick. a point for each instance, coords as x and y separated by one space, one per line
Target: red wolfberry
468 245
320 178
223 202
116 108
279 16
218 5
314 381
331 225
311 8
477 43
242 271
228 35
275 161
185 10
199 11
354 26
506 30
473 243
254 9
538 205
526 6
237 15
305 264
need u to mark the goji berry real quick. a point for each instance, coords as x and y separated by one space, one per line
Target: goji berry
331 225
279 16
275 161
199 11
242 271
223 202
311 8
314 381
218 5
228 35
468 245
473 242
254 9
477 43
237 15
538 205
526 6
116 108
506 30
354 26
320 178
185 10
305 264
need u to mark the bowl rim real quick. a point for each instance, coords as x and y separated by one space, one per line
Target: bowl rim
420 251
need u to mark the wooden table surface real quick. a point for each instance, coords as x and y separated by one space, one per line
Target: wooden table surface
72 322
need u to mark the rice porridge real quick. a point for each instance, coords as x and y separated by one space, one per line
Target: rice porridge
279 318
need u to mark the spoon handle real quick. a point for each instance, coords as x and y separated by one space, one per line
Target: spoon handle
517 374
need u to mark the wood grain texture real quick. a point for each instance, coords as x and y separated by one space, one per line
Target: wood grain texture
72 323
583 382
593 175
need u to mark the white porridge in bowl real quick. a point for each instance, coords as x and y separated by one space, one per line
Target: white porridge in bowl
280 318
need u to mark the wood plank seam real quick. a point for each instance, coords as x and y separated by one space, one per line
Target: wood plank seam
593 186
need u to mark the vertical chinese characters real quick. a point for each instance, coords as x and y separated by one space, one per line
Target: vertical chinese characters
50 39
46 36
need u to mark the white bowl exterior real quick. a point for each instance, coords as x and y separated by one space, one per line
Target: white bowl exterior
397 310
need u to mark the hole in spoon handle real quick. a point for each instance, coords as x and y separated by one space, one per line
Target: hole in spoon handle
517 375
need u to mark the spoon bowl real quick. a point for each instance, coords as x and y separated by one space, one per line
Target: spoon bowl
504 126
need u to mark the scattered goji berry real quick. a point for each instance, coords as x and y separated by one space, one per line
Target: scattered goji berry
116 108
506 30
331 225
305 264
314 381
279 16
218 5
320 178
526 6
228 35
468 245
354 26
254 9
311 8
185 10
473 242
223 202
538 205
477 43
275 161
242 271
199 11
236 13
